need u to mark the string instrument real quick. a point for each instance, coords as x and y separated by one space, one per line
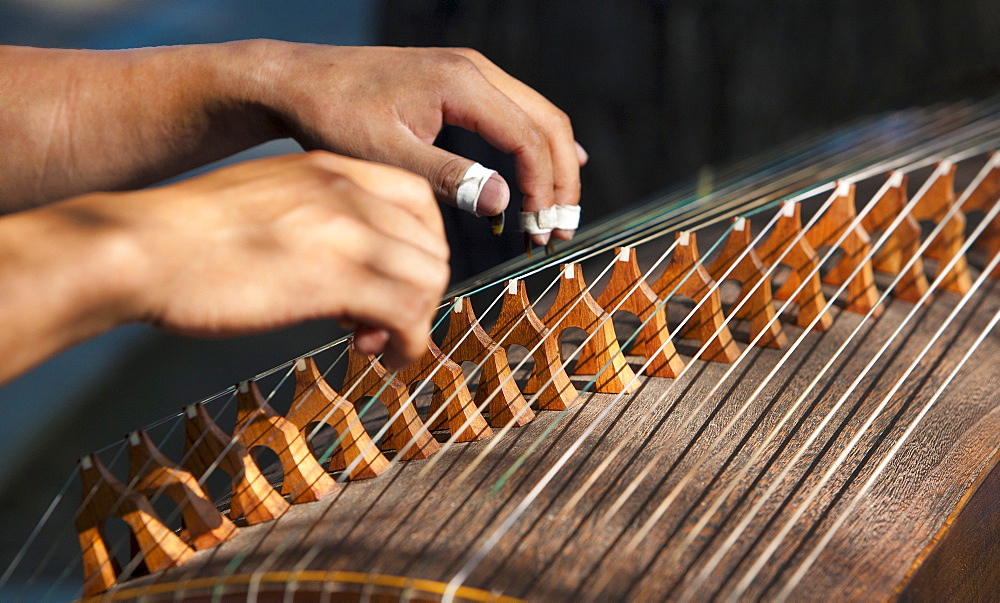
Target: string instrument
784 385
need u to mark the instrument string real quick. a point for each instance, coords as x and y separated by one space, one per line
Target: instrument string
810 559
829 255
283 546
606 462
662 207
50 552
520 509
288 543
231 390
115 548
926 136
721 497
759 450
566 362
496 439
626 494
803 195
841 459
364 410
942 273
400 453
452 438
736 481
521 459
609 458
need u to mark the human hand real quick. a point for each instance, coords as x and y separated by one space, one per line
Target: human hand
389 104
273 242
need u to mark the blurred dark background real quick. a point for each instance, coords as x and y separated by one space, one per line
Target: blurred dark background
657 92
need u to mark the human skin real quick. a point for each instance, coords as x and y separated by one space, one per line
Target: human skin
77 121
247 248
251 247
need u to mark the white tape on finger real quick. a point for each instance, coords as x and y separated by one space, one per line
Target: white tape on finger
564 217
567 217
471 186
538 222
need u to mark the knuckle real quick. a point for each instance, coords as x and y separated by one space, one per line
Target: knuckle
333 183
534 138
457 64
470 54
413 309
437 280
317 158
415 187
562 122
445 176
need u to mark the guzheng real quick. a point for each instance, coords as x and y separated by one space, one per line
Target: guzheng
782 384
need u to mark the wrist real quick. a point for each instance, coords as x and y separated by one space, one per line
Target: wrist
67 273
246 75
104 256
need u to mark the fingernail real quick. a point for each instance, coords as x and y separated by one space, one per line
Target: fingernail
540 239
562 234
494 197
497 224
581 154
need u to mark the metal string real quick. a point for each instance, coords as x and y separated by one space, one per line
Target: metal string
942 273
517 511
825 540
10 569
754 570
691 535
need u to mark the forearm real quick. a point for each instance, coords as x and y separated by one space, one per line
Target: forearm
66 274
74 121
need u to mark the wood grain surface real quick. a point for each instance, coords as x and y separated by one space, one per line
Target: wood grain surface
420 520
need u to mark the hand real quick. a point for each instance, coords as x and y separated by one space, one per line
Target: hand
273 242
389 104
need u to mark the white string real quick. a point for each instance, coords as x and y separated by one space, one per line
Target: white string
755 569
508 522
566 362
942 273
38 526
675 491
825 540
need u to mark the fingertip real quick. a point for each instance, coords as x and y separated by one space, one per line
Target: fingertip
368 340
395 358
581 154
563 235
540 239
393 361
494 197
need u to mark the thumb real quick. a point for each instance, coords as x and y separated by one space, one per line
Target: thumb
481 192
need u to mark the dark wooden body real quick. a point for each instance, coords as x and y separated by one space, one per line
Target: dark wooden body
928 529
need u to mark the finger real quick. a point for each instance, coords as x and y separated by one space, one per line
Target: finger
417 281
567 154
446 173
383 305
396 185
369 340
396 222
477 105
